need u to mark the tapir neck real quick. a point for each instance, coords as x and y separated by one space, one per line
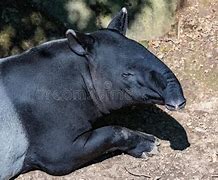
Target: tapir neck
106 97
100 91
89 80
51 73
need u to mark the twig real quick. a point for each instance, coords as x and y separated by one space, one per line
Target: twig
137 175
178 29
215 176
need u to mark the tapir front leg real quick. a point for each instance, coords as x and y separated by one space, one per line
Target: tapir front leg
92 144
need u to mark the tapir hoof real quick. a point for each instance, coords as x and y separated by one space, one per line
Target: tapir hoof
146 147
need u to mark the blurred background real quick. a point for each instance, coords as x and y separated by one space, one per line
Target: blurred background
184 34
26 23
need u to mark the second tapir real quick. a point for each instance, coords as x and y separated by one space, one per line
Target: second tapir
52 94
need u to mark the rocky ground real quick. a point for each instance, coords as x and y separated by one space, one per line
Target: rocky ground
191 50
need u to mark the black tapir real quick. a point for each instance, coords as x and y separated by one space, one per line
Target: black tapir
51 95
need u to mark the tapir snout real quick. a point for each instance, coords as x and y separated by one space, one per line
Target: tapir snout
174 98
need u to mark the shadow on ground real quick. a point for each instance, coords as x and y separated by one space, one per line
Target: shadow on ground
149 119
152 120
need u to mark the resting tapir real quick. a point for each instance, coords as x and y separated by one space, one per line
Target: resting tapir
51 94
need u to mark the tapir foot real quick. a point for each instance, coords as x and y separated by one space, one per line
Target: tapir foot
110 138
147 146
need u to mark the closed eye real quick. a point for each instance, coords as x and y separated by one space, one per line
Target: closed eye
125 75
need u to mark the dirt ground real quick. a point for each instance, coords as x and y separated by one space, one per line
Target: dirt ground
191 50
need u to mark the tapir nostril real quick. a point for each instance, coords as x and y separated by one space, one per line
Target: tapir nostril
170 107
182 105
174 106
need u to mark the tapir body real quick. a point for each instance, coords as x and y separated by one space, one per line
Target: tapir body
51 95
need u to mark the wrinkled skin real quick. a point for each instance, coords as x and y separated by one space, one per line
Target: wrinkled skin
53 93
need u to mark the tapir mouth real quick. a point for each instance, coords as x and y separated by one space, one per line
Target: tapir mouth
173 106
154 99
172 101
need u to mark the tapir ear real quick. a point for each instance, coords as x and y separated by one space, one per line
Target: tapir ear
120 21
80 43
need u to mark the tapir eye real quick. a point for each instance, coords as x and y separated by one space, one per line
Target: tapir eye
125 75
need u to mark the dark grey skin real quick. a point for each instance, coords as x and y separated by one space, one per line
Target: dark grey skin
53 93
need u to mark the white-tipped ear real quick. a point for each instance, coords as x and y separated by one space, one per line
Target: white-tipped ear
124 10
79 42
120 21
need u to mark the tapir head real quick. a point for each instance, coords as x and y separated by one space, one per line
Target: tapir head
119 64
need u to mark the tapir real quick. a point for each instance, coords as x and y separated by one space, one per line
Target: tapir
51 94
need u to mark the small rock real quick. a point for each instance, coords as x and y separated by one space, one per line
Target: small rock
198 129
